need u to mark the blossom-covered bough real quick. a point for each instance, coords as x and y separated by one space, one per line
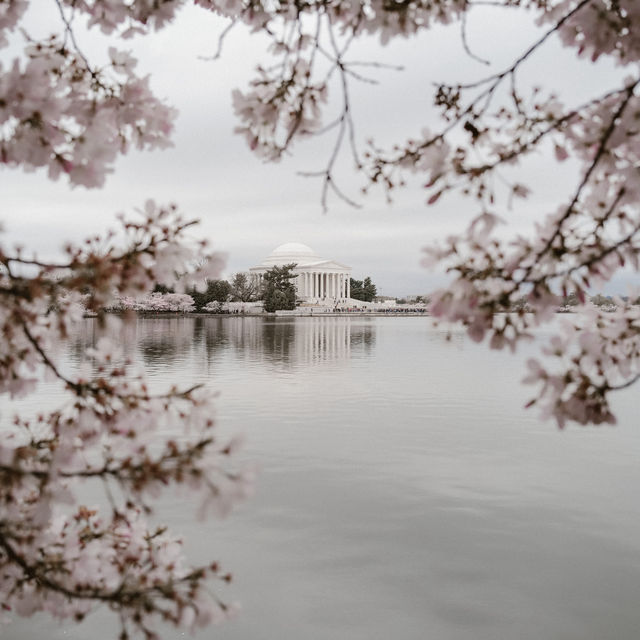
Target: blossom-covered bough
487 127
60 111
56 554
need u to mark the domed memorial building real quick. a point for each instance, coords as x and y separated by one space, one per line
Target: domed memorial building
319 280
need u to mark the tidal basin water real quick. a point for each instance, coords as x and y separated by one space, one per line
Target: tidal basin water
403 491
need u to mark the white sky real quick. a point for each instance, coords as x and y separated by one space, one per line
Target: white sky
247 207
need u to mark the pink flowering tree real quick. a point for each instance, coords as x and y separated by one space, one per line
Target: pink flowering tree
63 113
154 302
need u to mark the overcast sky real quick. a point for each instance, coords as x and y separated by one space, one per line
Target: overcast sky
248 207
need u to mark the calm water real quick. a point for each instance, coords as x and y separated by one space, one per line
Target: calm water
404 493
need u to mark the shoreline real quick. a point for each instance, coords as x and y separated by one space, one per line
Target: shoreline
289 314
286 314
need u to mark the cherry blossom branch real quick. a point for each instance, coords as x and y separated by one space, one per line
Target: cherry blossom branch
69 32
465 43
142 599
602 146
106 433
496 78
345 126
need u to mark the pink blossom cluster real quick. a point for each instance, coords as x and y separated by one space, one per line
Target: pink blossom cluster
215 306
58 554
58 112
598 29
594 354
10 15
179 302
278 107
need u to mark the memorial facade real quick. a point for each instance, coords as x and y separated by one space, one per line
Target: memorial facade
318 279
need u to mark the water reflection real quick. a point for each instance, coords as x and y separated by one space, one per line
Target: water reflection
303 341
287 341
403 490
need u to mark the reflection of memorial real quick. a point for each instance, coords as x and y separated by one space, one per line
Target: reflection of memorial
303 341
323 339
299 341
318 279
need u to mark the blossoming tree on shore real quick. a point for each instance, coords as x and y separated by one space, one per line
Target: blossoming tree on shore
155 303
62 113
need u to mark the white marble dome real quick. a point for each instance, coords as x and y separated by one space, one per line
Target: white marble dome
293 248
292 252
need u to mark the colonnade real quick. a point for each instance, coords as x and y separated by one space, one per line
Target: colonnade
319 284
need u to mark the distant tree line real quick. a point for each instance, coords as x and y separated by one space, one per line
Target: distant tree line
239 289
277 290
414 300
